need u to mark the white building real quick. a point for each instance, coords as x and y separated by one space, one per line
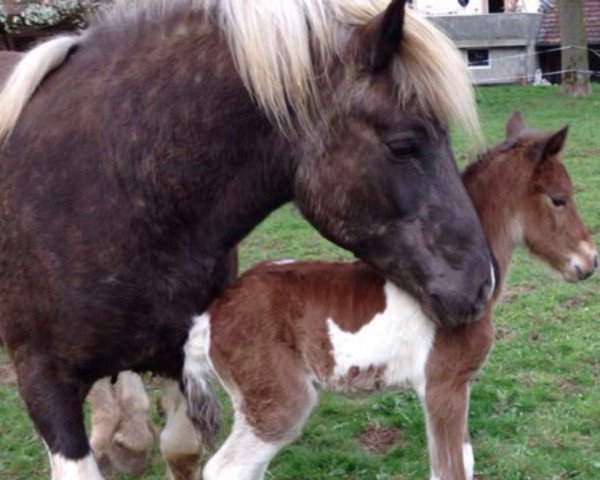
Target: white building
497 37
475 7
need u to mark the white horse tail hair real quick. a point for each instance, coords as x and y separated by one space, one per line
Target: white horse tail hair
27 76
203 406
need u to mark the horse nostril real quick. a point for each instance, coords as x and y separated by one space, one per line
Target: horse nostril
596 262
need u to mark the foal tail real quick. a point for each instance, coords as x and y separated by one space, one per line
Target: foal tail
27 76
203 407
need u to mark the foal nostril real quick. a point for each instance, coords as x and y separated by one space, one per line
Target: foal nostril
581 275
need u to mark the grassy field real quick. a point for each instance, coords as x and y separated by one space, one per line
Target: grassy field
535 409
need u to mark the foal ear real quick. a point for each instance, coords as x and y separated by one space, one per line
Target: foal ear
382 37
515 124
555 143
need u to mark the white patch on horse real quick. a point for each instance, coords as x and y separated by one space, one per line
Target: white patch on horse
285 261
243 456
84 469
493 276
399 339
468 460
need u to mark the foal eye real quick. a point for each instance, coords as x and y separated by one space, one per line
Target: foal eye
558 202
404 148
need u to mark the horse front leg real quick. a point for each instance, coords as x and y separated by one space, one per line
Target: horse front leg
54 401
451 457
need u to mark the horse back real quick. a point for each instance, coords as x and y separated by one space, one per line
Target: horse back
8 61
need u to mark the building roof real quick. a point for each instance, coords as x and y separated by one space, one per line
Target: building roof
550 29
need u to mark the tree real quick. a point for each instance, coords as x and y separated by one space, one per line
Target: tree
41 14
576 79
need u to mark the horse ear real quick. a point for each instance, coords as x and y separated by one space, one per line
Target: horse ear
548 146
515 124
555 143
382 38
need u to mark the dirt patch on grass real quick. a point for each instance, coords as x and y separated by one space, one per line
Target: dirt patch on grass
568 385
513 292
503 333
7 375
577 301
375 439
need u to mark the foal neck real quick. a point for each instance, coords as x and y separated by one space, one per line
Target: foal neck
495 184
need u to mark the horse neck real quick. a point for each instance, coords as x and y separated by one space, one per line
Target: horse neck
212 151
494 189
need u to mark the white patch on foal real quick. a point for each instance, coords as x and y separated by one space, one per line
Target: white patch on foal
583 256
84 469
284 261
197 365
399 339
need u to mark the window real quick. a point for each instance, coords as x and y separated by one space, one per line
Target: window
478 58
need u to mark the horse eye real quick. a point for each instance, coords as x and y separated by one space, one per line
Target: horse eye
404 148
558 202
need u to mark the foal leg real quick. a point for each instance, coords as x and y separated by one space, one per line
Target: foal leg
54 401
134 435
265 420
468 457
180 443
106 415
445 409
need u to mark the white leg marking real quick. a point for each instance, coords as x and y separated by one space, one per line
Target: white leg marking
468 460
84 469
399 339
431 446
243 456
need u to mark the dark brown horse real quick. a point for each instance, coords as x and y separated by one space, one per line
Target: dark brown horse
283 328
136 155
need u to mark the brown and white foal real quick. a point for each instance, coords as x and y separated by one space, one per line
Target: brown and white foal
283 328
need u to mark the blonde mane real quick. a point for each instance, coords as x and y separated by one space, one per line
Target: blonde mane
272 44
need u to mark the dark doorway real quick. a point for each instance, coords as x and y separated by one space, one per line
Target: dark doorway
496 6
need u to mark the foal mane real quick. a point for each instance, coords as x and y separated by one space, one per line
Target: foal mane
273 44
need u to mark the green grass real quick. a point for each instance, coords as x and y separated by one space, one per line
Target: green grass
535 409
